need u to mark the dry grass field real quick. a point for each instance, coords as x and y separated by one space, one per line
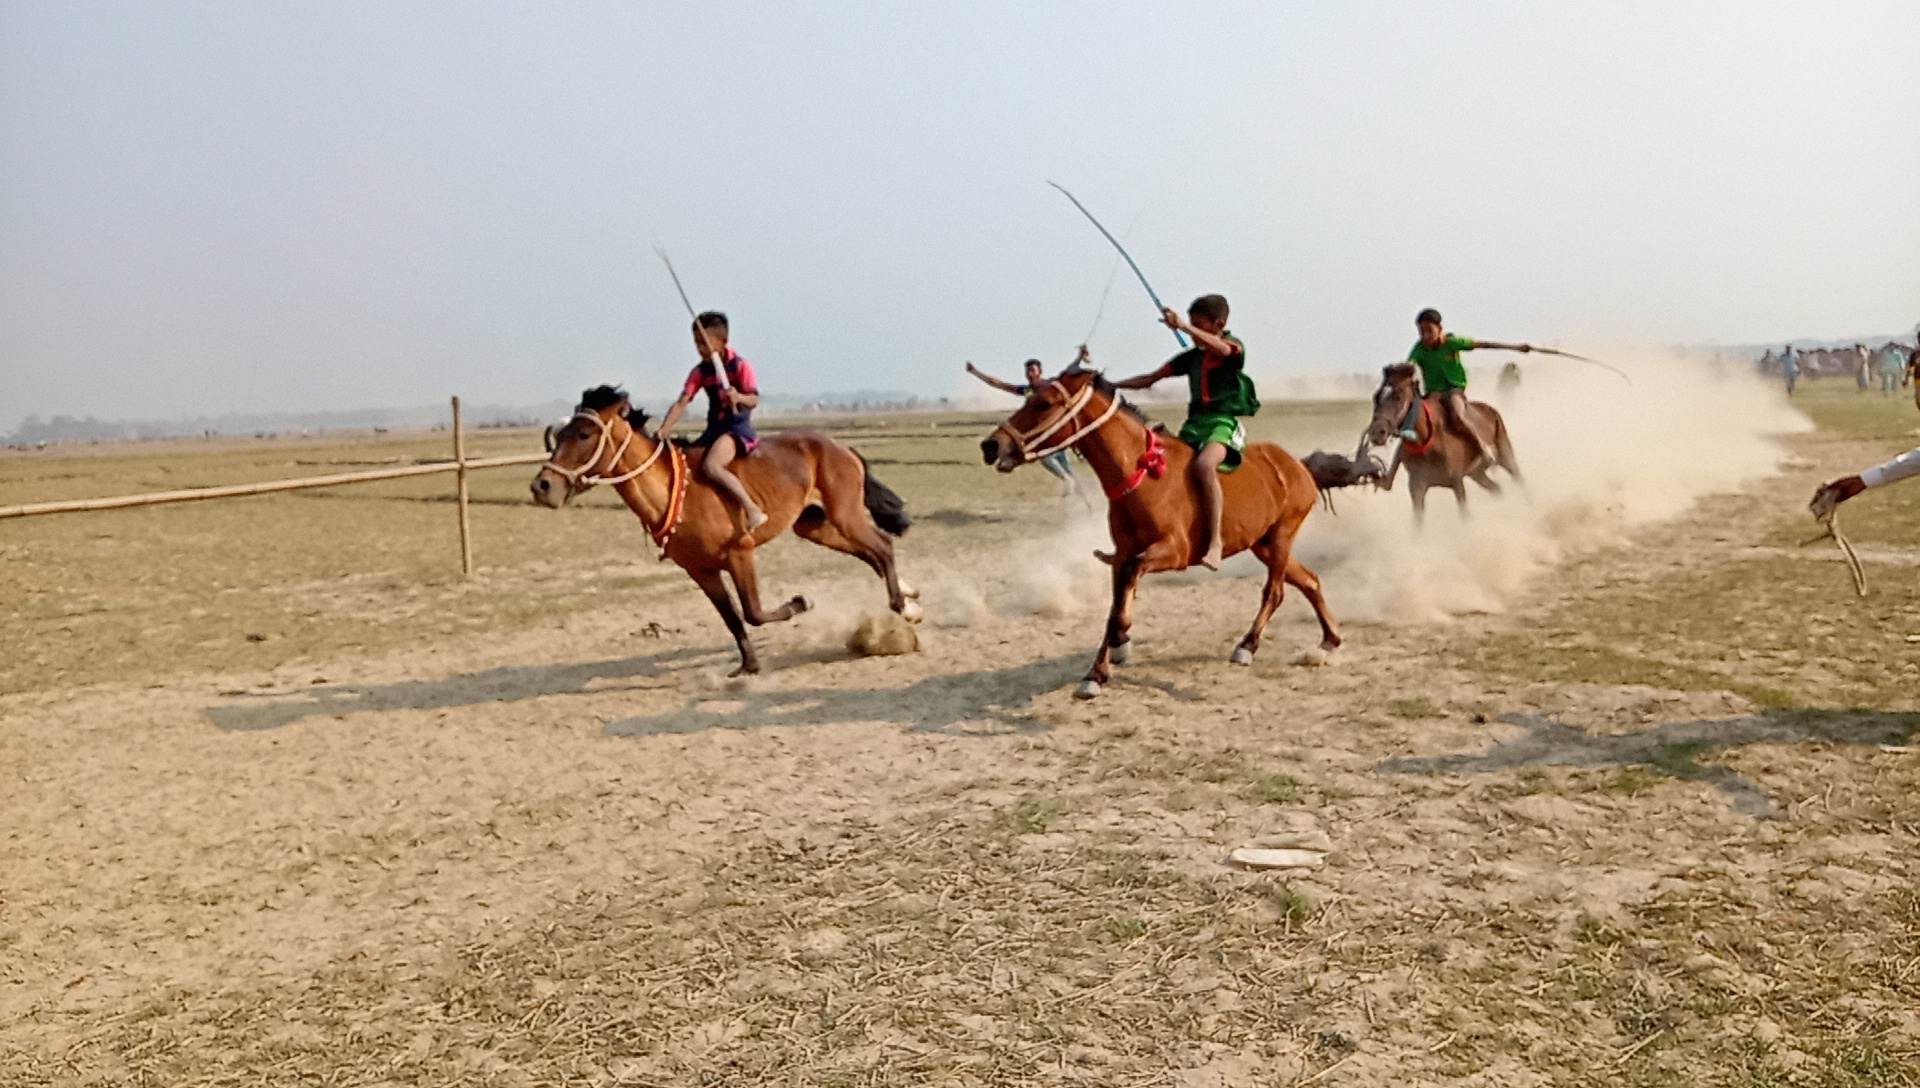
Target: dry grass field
289 802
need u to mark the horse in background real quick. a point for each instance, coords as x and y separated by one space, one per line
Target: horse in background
1437 456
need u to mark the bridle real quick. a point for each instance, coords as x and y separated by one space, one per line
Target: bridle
1030 440
1152 462
577 477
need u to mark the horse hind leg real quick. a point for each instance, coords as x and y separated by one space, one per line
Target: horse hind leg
1276 556
849 532
1302 578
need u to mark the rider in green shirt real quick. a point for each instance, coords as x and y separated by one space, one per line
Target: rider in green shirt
1437 354
1219 393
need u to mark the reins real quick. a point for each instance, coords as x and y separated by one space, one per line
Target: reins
578 478
1030 439
1152 461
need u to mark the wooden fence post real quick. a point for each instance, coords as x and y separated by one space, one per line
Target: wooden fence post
460 460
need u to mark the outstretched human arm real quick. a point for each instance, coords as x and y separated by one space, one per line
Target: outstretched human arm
1835 492
1218 345
1145 381
672 417
1004 387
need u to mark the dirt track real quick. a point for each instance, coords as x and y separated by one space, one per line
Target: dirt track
575 854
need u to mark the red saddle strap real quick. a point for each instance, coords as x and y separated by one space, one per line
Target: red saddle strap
1433 431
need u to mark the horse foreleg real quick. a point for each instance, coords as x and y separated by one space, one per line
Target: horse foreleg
1417 491
716 590
746 583
1126 579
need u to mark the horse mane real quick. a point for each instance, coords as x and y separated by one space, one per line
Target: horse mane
606 396
1102 385
1397 371
601 396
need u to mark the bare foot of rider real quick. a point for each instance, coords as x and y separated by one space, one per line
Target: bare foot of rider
1212 558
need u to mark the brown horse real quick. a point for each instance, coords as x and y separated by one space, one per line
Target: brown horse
1438 456
1153 514
802 479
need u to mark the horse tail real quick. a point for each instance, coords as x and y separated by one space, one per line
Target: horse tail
888 510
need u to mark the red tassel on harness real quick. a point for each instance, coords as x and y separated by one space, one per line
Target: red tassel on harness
1153 462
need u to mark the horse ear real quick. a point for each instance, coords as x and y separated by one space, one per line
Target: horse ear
546 438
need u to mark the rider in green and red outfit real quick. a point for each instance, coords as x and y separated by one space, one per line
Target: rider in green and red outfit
1219 393
1437 354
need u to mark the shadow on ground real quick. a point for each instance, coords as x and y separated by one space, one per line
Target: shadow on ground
1674 748
506 684
989 702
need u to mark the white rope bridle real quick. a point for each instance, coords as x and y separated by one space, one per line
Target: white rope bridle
578 479
1029 440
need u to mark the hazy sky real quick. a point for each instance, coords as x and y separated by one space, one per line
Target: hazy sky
329 205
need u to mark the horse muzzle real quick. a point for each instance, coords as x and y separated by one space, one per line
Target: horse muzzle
550 490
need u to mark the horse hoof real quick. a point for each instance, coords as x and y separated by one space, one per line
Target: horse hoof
1088 689
912 612
1121 654
1241 656
802 604
911 593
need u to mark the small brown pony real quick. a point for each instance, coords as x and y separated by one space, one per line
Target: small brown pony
802 479
1152 512
1438 456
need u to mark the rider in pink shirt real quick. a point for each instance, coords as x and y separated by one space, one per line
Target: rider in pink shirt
730 404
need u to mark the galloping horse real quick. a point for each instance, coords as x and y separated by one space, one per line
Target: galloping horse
802 479
1437 457
1152 513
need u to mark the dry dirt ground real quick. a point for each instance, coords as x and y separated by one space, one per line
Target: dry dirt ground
288 803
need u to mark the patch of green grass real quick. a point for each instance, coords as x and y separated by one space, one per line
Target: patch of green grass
1294 905
1630 781
1680 759
1031 815
1417 706
1273 789
1126 928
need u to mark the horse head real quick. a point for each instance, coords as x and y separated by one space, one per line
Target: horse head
588 447
1399 388
1046 421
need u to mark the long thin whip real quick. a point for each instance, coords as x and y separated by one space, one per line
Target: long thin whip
720 364
1131 263
1624 376
1112 274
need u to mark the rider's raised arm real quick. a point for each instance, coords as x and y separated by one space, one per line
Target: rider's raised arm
1004 387
1146 381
